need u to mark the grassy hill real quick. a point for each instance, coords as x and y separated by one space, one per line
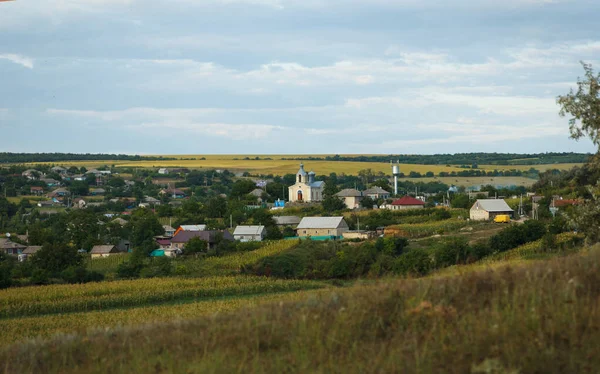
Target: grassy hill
537 316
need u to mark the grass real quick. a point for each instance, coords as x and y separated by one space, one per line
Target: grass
539 317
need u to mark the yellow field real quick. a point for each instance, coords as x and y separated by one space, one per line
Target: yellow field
476 181
277 166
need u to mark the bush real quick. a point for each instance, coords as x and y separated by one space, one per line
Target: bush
129 269
451 252
80 274
159 267
40 276
413 262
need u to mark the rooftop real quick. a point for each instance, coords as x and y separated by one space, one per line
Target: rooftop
320 222
493 205
408 201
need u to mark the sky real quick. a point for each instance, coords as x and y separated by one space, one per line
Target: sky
292 76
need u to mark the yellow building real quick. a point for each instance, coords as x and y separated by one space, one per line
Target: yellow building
306 188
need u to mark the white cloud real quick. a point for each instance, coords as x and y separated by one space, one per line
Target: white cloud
18 59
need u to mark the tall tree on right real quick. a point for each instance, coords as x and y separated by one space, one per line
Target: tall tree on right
583 107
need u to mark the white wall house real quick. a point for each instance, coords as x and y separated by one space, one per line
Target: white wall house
250 233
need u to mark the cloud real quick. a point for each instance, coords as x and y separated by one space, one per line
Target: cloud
17 59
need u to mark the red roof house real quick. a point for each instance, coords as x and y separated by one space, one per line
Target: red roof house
406 202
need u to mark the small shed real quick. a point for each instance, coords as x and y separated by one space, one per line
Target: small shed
104 251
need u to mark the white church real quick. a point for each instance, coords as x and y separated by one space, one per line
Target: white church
306 188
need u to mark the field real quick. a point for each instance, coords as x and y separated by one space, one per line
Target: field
276 166
538 316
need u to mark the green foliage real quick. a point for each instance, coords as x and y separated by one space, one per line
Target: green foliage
158 267
583 106
288 232
452 251
144 226
130 269
333 204
460 201
7 264
515 235
195 245
413 262
79 274
53 258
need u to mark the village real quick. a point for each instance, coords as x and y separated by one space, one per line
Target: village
111 197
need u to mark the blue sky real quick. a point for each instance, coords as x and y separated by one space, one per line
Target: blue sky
291 76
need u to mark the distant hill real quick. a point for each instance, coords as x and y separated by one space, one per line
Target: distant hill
16 158
464 158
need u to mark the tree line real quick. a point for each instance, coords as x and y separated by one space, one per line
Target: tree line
15 158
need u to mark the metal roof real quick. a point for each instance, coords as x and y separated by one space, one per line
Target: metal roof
32 249
375 190
492 205
193 227
102 249
301 170
349 192
317 184
408 201
248 230
286 220
320 222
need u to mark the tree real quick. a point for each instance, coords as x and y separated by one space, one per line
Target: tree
242 187
53 258
144 227
583 106
333 203
367 202
195 245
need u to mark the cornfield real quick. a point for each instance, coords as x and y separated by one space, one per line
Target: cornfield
231 264
422 230
31 301
15 329
529 250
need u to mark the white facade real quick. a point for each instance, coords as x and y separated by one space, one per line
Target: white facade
306 189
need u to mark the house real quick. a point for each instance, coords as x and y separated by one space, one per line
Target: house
376 193
351 197
487 209
173 192
563 203
120 221
210 237
322 226
189 228
79 203
59 192
163 171
31 250
292 221
59 170
405 202
11 248
478 194
79 177
50 182
250 233
124 245
163 242
36 191
151 200
257 192
169 231
32 174
97 191
45 203
104 251
306 188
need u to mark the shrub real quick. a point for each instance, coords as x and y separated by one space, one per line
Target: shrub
40 276
413 262
451 252
129 269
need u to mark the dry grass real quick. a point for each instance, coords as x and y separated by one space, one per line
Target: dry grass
543 317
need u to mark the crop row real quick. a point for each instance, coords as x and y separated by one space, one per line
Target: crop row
529 249
17 329
421 230
31 301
